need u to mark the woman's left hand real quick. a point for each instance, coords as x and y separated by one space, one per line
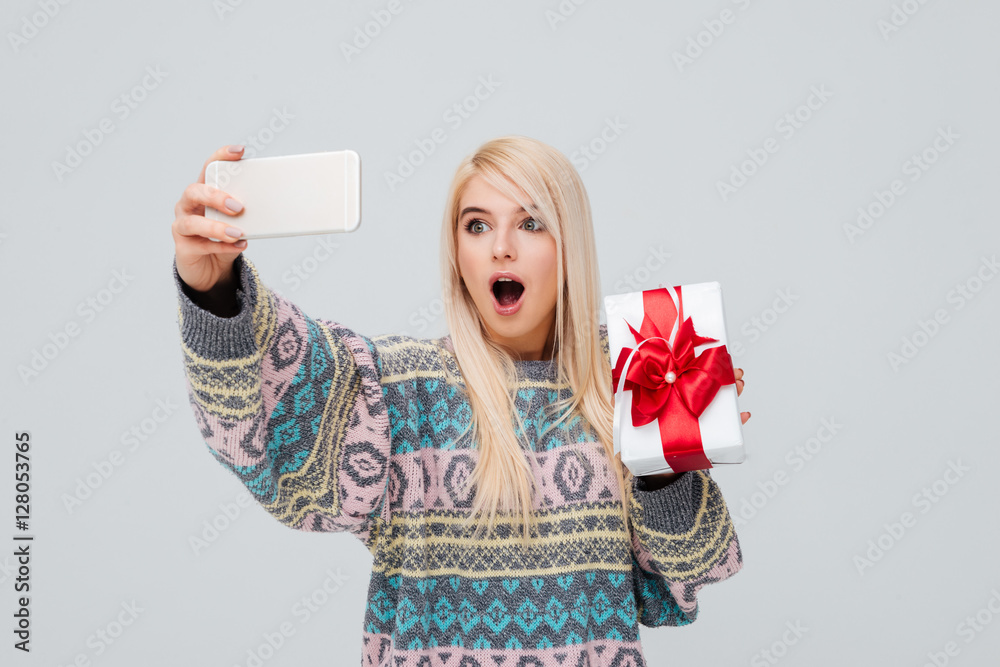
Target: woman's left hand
738 372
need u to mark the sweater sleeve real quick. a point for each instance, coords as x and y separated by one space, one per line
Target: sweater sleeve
291 405
683 538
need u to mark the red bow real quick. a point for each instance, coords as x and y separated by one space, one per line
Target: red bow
668 382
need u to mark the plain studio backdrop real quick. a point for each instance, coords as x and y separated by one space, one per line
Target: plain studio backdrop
832 165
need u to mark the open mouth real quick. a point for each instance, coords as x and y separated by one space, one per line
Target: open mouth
507 291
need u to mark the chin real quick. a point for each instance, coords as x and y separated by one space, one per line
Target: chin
506 326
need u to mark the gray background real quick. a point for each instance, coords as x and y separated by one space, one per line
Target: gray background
654 187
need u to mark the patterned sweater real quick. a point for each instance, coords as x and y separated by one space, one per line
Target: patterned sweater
333 431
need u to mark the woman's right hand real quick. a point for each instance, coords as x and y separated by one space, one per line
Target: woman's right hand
204 264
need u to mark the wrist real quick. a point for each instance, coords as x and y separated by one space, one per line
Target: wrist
657 481
220 300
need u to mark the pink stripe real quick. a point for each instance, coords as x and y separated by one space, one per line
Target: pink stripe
377 651
437 462
226 439
685 591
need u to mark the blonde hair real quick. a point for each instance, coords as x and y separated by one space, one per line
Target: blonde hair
556 196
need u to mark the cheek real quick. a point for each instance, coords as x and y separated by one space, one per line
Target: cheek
548 260
462 256
466 265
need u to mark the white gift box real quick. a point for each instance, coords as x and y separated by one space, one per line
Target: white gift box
720 426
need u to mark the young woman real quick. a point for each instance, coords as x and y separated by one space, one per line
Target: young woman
477 468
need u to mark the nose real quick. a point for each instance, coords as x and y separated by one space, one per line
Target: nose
503 244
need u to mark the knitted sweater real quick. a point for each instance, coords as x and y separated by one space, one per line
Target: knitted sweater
334 431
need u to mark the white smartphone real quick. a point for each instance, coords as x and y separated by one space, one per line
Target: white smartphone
291 195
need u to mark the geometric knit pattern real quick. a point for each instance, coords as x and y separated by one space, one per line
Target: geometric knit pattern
333 431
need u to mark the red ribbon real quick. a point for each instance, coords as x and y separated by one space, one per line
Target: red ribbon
675 405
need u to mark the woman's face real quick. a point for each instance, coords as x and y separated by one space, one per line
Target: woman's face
496 236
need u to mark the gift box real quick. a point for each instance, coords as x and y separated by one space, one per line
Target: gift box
675 393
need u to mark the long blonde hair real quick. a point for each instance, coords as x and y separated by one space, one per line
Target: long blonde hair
502 476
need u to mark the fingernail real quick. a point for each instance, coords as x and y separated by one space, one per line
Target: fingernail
236 148
235 232
233 205
240 244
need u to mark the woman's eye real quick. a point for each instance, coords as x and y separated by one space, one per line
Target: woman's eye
473 225
533 223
